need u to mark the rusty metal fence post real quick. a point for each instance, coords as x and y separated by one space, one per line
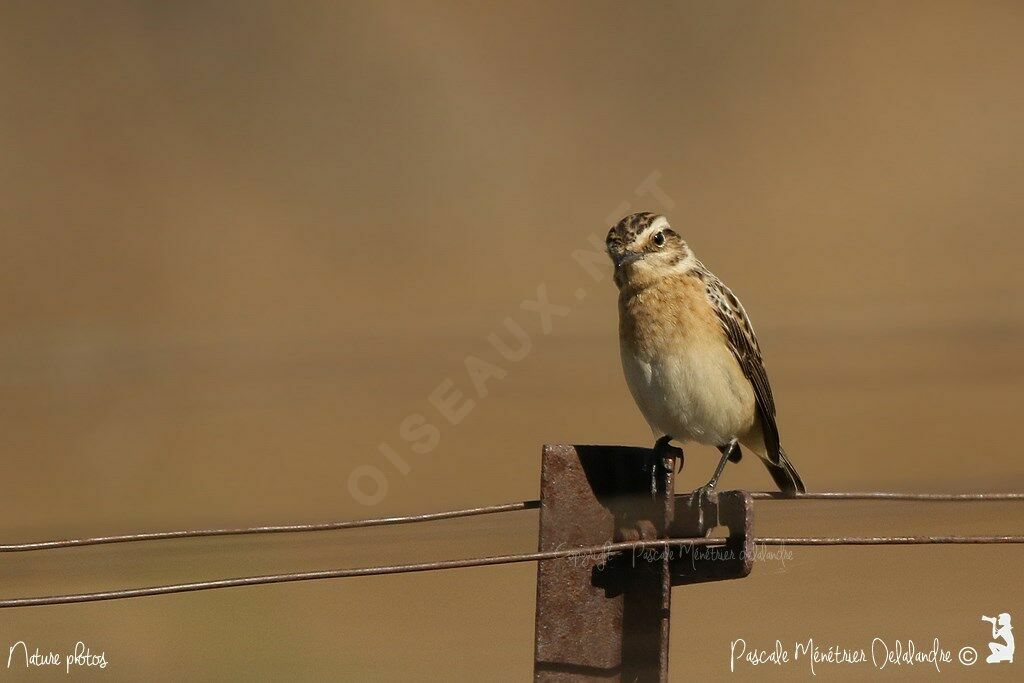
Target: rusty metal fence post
591 496
607 618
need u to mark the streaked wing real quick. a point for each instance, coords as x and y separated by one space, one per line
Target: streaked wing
743 343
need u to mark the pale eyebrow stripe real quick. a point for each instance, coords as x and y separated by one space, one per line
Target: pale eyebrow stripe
657 224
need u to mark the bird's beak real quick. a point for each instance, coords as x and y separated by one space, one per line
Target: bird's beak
627 257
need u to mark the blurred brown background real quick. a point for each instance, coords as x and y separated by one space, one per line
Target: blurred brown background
242 242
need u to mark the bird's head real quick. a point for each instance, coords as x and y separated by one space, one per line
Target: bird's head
644 249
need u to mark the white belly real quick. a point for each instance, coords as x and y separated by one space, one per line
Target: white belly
696 393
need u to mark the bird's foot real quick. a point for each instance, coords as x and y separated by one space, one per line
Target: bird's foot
663 455
703 497
671 456
703 509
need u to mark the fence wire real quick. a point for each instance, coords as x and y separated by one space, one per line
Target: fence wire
600 552
472 512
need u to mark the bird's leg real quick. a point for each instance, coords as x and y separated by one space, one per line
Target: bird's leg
729 452
727 455
664 455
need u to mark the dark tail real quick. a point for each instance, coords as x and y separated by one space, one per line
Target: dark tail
785 475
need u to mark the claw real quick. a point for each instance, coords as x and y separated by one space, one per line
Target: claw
664 446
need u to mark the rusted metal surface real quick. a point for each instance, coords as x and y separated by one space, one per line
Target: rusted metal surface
601 618
733 510
607 618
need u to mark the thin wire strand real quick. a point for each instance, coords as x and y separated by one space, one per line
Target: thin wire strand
277 529
592 551
470 512
599 553
886 540
889 495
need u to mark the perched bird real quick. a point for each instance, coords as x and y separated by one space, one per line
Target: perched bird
689 352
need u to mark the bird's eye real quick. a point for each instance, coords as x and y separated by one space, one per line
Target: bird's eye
659 239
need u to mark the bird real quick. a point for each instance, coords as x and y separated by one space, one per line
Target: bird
689 353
